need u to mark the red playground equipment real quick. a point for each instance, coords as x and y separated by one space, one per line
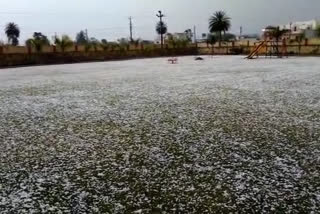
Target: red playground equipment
173 60
272 48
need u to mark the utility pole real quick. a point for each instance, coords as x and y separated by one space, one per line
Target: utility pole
130 25
290 32
195 34
240 31
87 37
160 15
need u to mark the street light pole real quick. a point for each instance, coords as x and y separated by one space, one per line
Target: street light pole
160 15
130 26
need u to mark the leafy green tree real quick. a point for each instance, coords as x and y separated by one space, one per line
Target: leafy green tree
212 40
204 35
219 22
228 37
177 42
171 41
182 43
95 43
63 43
113 45
13 33
38 41
299 39
136 42
81 38
87 46
104 44
161 29
318 31
123 44
123 41
189 34
277 34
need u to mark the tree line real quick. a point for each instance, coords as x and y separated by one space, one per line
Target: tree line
219 24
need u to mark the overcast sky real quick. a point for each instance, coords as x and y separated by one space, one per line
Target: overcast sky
109 18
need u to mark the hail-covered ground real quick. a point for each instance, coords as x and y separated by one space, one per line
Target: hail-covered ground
223 135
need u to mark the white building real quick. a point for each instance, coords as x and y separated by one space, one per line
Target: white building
178 36
301 26
167 36
306 28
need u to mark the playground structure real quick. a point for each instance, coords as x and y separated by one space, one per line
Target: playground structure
173 60
198 58
271 48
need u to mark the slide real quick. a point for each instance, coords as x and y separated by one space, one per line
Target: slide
256 50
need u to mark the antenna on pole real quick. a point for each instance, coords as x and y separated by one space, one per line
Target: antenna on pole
130 26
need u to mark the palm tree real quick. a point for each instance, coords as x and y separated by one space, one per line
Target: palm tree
13 32
219 22
63 42
38 41
161 29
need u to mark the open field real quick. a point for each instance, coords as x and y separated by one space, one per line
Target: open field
143 136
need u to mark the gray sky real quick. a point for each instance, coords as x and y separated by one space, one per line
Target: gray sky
109 18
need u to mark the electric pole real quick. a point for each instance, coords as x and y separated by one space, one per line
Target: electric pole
195 35
87 37
160 15
130 25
